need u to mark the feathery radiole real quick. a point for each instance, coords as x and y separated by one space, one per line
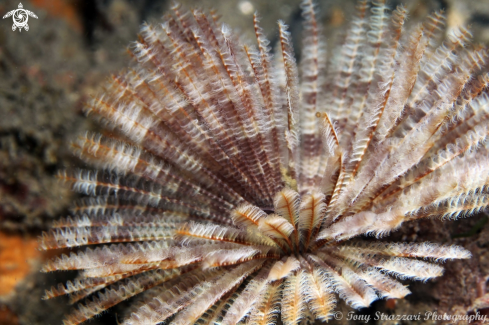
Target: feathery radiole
242 177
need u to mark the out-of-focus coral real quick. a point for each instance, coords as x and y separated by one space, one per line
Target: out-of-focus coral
18 256
36 105
7 317
66 10
45 76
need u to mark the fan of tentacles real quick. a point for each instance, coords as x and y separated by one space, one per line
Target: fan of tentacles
233 182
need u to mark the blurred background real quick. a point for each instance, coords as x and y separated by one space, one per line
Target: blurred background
48 72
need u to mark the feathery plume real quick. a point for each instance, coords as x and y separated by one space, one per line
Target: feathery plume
244 177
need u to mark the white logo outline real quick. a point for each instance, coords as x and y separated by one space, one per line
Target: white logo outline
20 17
